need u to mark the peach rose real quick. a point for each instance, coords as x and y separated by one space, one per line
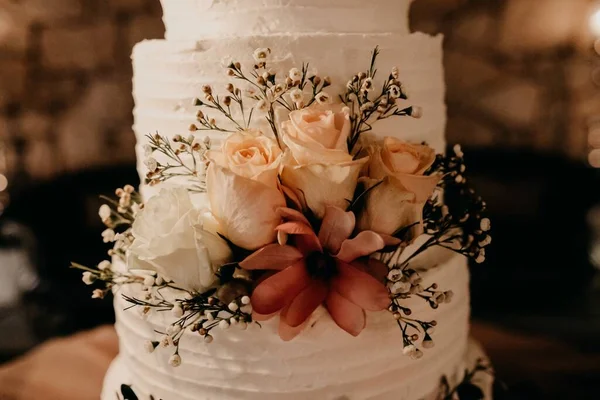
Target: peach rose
243 188
317 166
398 187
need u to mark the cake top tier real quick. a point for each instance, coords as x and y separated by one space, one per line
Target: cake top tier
198 19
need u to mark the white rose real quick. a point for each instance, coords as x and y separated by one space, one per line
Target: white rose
178 241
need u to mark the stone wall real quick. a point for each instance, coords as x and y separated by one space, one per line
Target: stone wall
65 82
518 72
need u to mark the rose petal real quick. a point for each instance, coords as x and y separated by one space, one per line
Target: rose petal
360 288
321 185
277 291
272 256
303 305
388 207
421 185
336 227
291 196
246 210
364 244
346 314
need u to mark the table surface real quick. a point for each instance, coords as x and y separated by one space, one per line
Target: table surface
73 368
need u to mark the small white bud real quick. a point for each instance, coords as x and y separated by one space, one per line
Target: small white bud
428 343
246 309
394 275
108 236
416 354
209 315
151 163
323 98
233 307
208 339
177 311
233 321
296 95
104 212
485 224
295 74
175 360
224 324
149 281
485 241
104 265
262 105
417 112
245 300
148 150
458 151
149 346
173 329
88 278
400 287
166 341
98 294
408 350
448 296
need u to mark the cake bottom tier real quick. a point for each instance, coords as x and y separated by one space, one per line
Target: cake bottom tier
119 374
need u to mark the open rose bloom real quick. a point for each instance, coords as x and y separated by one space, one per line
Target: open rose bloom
289 207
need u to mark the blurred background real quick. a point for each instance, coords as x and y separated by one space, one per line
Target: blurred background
523 95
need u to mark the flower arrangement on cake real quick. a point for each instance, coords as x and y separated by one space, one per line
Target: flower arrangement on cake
316 212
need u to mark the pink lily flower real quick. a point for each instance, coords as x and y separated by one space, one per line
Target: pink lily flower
328 268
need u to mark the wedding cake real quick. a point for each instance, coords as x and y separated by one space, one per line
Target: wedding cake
291 239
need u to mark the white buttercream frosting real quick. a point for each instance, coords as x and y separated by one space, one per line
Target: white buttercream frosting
199 19
322 363
169 75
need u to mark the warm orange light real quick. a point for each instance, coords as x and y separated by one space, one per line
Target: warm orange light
595 22
3 183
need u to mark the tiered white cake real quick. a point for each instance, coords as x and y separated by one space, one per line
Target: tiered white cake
324 362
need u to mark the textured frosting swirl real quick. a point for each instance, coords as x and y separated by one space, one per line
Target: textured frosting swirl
199 19
322 363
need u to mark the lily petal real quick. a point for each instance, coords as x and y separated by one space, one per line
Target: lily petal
360 288
277 291
273 257
305 238
337 226
346 314
302 307
288 333
364 244
289 214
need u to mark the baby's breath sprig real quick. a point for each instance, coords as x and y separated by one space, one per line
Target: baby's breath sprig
263 87
461 219
118 216
222 308
404 283
366 109
223 106
193 167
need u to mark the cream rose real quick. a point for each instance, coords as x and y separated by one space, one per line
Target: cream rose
317 166
178 241
243 188
398 188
